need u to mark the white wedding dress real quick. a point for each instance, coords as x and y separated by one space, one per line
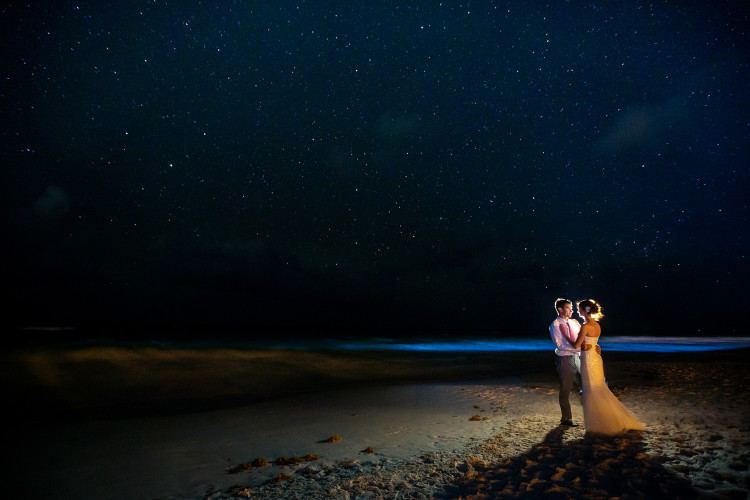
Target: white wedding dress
602 411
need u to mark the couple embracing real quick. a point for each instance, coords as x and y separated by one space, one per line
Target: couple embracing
579 360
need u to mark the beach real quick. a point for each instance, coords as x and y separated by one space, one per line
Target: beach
150 422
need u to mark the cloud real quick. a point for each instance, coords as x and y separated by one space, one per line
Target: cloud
54 203
396 127
642 126
632 129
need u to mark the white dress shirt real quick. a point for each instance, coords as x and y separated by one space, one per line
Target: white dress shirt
562 347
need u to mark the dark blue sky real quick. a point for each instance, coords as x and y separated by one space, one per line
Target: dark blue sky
332 165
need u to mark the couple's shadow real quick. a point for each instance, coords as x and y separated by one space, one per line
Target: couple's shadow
591 467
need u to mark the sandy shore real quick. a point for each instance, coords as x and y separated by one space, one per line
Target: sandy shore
115 424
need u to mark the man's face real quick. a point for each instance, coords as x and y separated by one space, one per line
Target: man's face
566 311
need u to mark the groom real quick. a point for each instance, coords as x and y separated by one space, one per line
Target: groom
564 332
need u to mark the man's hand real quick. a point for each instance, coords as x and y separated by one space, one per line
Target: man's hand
598 349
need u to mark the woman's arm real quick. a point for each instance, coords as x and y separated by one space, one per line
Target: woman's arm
581 336
565 333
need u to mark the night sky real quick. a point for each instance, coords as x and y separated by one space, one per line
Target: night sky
365 166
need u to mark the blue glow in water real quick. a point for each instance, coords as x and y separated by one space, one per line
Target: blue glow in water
454 343
622 343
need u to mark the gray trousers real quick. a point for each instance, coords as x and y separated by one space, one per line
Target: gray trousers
569 370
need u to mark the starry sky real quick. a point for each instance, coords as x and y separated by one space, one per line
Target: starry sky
376 165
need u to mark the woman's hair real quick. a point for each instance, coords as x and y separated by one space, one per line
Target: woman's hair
592 307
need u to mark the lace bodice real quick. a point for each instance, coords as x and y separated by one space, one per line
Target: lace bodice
591 341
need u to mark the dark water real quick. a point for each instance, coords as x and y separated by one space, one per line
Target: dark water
421 344
403 341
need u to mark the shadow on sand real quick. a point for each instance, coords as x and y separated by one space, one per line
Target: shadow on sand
594 467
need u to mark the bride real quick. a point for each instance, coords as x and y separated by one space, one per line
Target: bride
602 411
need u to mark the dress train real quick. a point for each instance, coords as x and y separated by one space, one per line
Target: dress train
603 413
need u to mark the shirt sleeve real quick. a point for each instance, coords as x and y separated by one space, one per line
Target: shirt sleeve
557 336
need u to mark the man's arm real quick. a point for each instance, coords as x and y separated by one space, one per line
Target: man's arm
556 334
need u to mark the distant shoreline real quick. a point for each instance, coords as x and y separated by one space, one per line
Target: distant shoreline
50 335
424 342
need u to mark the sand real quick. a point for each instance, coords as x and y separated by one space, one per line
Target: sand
139 423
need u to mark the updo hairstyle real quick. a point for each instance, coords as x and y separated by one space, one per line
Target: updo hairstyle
592 307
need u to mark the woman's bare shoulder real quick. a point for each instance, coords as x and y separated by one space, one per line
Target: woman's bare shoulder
596 328
591 329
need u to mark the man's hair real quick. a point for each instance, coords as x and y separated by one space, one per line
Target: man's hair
560 303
